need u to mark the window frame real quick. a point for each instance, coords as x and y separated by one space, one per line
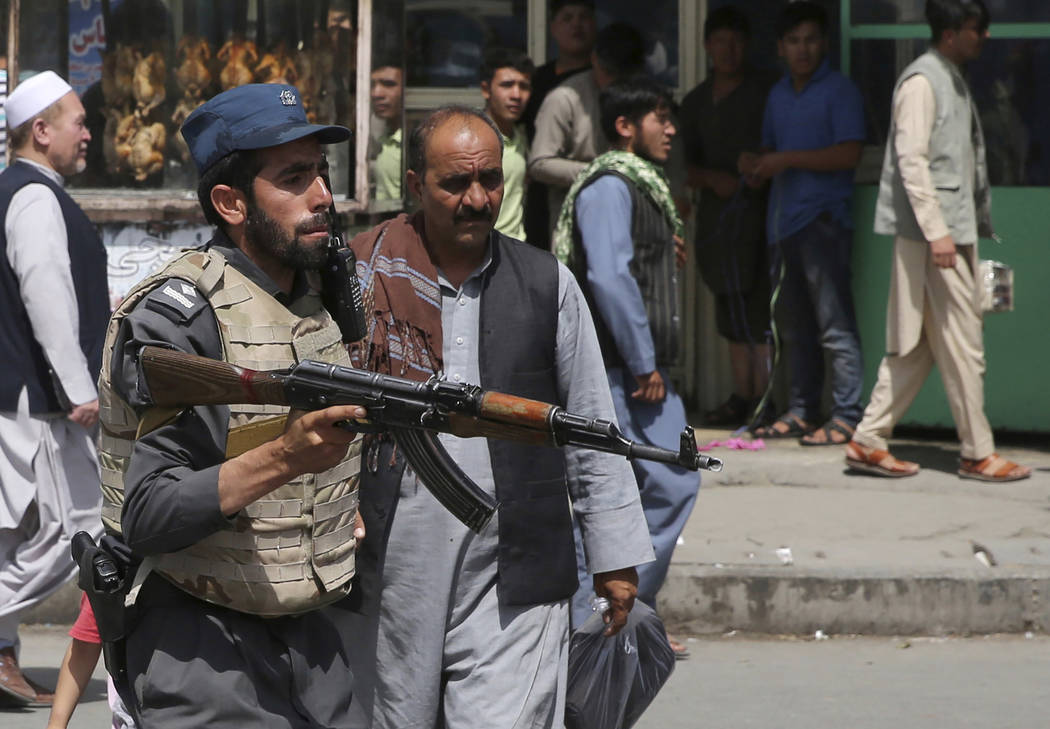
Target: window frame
131 205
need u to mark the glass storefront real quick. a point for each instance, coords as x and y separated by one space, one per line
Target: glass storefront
141 66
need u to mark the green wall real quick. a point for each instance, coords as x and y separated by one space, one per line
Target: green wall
1017 343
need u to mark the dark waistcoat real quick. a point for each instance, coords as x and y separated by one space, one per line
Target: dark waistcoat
22 360
518 329
653 268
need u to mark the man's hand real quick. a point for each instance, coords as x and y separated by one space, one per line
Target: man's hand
651 387
359 529
312 442
769 165
943 250
680 253
85 415
619 587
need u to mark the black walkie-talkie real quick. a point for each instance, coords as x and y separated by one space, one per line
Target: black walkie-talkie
340 289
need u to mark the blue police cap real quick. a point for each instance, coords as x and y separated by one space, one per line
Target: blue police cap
252 116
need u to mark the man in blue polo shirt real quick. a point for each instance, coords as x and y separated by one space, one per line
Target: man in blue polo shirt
814 131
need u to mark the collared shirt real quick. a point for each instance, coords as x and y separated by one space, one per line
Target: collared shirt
511 219
172 484
827 111
602 486
387 167
38 252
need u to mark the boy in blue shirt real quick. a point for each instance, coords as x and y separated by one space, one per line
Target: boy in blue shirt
814 131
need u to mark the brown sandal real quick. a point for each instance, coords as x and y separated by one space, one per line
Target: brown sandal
877 463
993 468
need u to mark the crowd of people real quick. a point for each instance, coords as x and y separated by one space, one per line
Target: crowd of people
281 569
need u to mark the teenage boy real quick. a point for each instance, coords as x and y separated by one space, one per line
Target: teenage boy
506 84
814 130
623 230
935 199
720 119
573 29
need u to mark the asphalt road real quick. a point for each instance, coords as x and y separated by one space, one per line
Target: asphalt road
997 682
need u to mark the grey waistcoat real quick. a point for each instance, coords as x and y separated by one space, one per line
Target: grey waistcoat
965 198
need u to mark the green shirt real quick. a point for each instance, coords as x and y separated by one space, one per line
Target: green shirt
387 167
512 214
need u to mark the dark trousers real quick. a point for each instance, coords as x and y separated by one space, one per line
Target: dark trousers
818 315
191 663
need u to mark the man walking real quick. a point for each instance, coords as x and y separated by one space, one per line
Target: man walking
934 198
471 630
243 517
623 230
56 303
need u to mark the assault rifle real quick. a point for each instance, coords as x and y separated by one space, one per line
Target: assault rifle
410 411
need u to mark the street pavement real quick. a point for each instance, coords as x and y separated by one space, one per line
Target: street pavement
752 682
785 540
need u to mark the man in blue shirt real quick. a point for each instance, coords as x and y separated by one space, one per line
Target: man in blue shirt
814 130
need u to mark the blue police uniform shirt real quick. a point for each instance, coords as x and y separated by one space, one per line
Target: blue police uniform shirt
828 110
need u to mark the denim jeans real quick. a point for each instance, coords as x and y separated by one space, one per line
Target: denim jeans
818 313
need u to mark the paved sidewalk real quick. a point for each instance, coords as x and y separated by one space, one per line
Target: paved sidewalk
869 555
928 554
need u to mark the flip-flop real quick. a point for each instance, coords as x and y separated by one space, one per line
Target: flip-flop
833 425
796 427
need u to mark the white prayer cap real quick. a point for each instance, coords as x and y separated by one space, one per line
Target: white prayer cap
32 96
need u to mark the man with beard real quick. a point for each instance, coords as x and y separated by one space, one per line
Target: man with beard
622 233
243 517
55 303
459 629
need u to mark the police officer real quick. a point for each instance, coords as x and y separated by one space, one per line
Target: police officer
245 517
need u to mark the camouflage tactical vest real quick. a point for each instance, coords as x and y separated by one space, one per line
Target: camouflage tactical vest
292 550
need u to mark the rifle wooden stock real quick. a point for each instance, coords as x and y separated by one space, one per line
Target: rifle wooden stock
177 379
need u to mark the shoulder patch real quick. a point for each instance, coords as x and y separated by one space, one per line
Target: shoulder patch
176 300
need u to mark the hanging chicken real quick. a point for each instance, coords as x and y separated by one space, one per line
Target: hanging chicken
239 55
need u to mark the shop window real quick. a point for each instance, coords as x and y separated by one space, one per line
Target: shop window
762 50
913 11
141 66
445 39
657 21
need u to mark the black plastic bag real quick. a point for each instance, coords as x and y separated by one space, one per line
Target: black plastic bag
613 680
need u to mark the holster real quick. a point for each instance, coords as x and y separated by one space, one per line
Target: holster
106 591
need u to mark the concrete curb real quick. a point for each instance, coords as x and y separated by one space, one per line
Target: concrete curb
704 599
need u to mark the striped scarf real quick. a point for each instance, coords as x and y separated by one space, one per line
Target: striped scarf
646 176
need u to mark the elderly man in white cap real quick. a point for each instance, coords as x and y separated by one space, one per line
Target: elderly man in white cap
54 296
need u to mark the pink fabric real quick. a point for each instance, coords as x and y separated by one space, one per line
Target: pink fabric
85 628
735 444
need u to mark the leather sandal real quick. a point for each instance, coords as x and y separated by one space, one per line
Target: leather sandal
994 468
877 463
796 427
832 426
